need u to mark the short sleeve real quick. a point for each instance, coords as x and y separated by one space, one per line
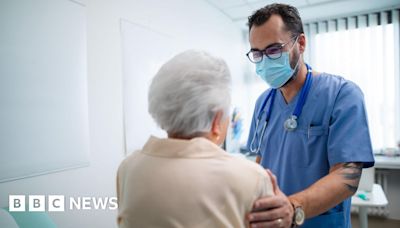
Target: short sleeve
349 139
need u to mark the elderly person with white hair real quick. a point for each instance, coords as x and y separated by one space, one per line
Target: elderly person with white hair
187 180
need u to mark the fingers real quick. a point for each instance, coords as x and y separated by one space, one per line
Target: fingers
273 177
269 209
268 203
274 181
272 211
277 223
270 215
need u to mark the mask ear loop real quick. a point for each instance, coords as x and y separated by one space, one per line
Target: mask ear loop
295 69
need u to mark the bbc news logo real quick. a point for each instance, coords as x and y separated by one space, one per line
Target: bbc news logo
59 203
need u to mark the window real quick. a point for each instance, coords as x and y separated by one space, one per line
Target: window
364 53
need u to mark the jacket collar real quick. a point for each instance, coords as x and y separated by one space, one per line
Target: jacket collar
198 147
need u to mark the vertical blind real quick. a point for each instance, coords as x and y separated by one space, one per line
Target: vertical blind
365 50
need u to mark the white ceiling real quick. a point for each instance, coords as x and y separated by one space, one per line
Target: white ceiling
239 10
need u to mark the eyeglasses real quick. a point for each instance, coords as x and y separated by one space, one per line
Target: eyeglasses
272 52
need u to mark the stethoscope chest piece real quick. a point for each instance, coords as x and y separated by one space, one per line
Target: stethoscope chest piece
291 123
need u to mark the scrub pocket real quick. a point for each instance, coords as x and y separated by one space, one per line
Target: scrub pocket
312 143
317 131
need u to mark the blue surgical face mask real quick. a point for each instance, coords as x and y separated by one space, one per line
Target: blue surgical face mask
276 72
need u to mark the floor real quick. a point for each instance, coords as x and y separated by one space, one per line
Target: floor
376 222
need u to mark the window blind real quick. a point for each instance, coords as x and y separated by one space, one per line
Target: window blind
364 49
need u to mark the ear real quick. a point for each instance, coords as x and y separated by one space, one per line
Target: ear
302 43
216 128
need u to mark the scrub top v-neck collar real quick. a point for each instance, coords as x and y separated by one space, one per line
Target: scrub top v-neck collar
292 104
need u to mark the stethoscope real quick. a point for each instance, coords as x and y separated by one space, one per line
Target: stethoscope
291 123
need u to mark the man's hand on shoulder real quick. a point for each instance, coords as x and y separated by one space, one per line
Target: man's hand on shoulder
272 211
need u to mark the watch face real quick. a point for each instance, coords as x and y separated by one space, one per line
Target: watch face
299 216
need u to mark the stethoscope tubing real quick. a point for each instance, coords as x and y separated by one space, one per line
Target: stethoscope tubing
299 107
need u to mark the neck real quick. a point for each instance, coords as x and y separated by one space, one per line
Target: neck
290 90
178 136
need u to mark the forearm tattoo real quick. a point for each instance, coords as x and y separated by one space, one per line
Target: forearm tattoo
351 173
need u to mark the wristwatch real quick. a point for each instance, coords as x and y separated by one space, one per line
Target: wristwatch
298 216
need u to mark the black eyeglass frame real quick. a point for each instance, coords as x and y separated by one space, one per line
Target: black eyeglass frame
264 51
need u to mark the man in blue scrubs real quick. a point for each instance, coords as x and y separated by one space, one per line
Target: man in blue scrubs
317 163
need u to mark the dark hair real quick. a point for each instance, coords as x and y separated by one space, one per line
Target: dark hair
289 14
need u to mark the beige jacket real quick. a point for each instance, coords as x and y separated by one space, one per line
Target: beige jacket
187 183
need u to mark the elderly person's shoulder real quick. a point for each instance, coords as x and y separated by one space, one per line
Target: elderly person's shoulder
245 169
240 162
196 152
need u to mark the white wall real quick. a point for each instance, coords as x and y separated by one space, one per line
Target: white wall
194 22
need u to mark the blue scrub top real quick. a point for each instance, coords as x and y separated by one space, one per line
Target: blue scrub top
332 128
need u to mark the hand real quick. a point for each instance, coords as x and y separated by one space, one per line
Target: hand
272 211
